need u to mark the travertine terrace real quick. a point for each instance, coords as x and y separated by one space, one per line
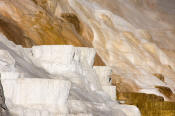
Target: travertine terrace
126 43
65 82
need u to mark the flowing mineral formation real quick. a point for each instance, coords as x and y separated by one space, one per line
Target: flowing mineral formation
68 84
123 45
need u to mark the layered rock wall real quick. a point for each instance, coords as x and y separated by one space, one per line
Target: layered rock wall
70 85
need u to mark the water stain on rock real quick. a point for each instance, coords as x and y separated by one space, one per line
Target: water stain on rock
14 33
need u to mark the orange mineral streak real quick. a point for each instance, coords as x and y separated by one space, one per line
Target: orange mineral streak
123 84
38 25
28 24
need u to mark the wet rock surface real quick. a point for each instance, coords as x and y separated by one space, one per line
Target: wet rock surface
134 37
43 83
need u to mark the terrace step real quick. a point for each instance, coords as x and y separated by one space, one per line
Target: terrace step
50 94
64 54
111 91
103 73
72 87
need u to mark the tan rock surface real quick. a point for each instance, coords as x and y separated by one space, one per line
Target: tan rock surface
28 23
134 37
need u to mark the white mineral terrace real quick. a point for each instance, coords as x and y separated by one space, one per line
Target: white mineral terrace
57 80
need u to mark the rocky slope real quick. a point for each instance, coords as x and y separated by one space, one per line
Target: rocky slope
134 37
38 82
130 42
27 23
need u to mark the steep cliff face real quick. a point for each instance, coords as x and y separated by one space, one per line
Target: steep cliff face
134 37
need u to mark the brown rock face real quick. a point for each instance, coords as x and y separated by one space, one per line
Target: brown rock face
134 37
124 85
149 104
160 76
128 35
36 24
14 33
32 22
